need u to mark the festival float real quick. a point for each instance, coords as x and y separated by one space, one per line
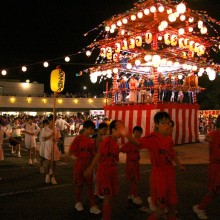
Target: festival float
157 40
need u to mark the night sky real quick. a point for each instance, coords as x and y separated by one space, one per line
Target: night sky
34 31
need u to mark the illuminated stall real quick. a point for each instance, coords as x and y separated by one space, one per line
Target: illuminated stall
157 40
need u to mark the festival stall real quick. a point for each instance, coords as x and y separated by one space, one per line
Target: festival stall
166 46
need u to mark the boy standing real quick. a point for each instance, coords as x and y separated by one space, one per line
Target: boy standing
83 149
132 165
162 179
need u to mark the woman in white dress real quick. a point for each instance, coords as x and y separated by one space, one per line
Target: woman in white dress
45 123
50 136
30 130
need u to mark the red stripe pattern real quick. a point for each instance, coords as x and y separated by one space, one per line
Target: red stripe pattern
185 117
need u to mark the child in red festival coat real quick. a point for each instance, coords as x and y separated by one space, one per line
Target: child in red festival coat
83 149
107 174
132 165
213 138
162 179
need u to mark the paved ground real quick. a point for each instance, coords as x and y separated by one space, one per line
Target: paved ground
24 195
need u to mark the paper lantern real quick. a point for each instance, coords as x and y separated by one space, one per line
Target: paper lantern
131 43
167 39
196 47
191 45
173 40
212 75
186 43
116 57
109 53
156 60
124 45
102 52
180 42
138 41
148 38
181 8
57 80
117 47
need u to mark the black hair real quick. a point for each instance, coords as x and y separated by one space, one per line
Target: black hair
88 124
112 125
31 117
137 128
50 117
161 115
45 121
103 125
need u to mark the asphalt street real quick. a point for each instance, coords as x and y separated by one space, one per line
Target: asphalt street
24 195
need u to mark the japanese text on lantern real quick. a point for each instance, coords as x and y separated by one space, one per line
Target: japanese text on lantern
57 80
113 51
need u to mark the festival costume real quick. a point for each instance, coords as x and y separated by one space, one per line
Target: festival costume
42 144
213 170
107 174
133 90
132 161
162 178
51 151
83 149
30 140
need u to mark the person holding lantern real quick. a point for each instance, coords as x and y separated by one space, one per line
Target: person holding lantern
50 135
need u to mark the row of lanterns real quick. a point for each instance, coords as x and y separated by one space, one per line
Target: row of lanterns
29 100
180 9
169 39
24 68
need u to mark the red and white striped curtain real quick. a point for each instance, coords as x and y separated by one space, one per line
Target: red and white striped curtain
185 117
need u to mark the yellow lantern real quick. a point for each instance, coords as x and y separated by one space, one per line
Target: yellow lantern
102 52
124 45
117 47
109 53
116 57
180 41
138 41
186 43
167 39
57 80
173 40
196 47
131 43
191 45
148 37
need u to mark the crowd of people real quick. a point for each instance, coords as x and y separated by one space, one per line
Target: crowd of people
207 123
141 89
96 150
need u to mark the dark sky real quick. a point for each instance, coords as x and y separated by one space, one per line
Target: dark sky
33 31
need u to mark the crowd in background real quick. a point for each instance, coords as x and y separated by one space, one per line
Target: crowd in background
75 122
141 89
207 123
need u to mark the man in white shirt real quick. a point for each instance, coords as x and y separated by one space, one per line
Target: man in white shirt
60 124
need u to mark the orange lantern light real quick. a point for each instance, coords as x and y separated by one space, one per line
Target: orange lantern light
109 53
117 47
57 80
148 38
138 41
131 43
